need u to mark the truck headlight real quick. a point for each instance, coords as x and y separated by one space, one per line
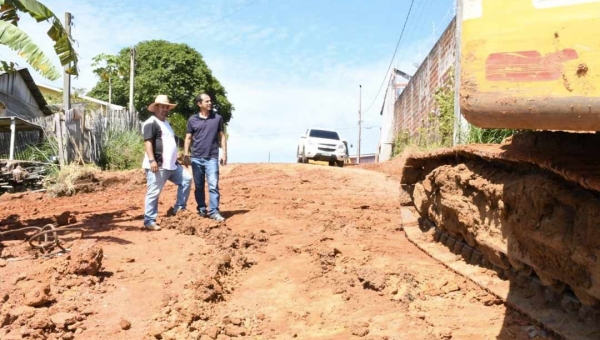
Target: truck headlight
311 142
341 147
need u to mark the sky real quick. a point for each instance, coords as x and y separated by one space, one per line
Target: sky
287 65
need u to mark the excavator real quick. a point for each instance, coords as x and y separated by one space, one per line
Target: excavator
527 209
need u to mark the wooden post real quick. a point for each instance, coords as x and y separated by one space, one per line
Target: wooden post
65 136
359 123
131 79
82 135
13 129
59 139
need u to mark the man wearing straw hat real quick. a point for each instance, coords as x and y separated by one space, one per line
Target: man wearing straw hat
160 161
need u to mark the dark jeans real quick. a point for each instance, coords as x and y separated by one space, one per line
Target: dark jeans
208 167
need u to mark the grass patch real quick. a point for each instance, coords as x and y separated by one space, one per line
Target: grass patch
121 150
66 181
45 151
488 136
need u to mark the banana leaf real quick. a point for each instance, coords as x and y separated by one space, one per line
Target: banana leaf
63 45
17 40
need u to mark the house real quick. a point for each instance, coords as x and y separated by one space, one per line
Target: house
20 96
56 94
20 102
364 158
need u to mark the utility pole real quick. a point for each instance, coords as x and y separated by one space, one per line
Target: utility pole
62 153
131 80
67 77
269 157
359 122
109 93
461 125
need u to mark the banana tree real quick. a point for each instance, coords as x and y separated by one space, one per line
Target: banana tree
16 39
107 68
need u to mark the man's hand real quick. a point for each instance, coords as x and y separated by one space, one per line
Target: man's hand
223 160
154 166
186 160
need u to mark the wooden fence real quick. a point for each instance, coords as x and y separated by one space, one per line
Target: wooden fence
75 136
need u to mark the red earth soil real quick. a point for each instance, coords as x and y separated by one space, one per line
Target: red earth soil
307 252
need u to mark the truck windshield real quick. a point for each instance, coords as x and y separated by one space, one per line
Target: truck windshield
324 134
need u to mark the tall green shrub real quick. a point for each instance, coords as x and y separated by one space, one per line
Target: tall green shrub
122 150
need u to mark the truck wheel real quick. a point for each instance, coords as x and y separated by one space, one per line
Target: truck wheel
331 163
340 164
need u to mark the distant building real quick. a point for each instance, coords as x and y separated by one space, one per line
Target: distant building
396 85
20 97
52 92
364 158
20 102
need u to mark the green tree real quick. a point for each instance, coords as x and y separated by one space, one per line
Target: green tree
162 67
178 123
17 40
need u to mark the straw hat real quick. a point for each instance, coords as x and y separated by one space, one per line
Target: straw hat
161 99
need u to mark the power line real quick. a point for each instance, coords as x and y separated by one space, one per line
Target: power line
415 30
393 56
218 20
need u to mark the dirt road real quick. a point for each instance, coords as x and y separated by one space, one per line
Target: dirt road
307 252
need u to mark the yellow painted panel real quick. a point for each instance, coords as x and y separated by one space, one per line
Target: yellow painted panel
514 52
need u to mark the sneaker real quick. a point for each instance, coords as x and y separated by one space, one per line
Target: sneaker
202 214
152 226
176 211
217 217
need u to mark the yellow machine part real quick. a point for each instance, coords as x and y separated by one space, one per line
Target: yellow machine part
531 64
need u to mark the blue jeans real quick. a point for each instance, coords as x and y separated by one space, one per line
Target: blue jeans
208 167
156 182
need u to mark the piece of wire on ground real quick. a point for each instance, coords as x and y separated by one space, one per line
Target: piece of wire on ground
46 238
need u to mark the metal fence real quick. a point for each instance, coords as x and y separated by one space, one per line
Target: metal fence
24 141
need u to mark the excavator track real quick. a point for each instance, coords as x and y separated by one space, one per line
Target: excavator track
520 219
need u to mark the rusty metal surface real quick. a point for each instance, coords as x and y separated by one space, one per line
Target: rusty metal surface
498 110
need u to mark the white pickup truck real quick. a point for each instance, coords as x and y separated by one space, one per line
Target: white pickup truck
322 145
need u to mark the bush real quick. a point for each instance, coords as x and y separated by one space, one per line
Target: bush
121 150
401 142
438 132
444 99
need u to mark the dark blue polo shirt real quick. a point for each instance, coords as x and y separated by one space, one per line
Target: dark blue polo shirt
205 135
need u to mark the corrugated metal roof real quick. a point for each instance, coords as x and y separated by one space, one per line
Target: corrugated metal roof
35 91
21 124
